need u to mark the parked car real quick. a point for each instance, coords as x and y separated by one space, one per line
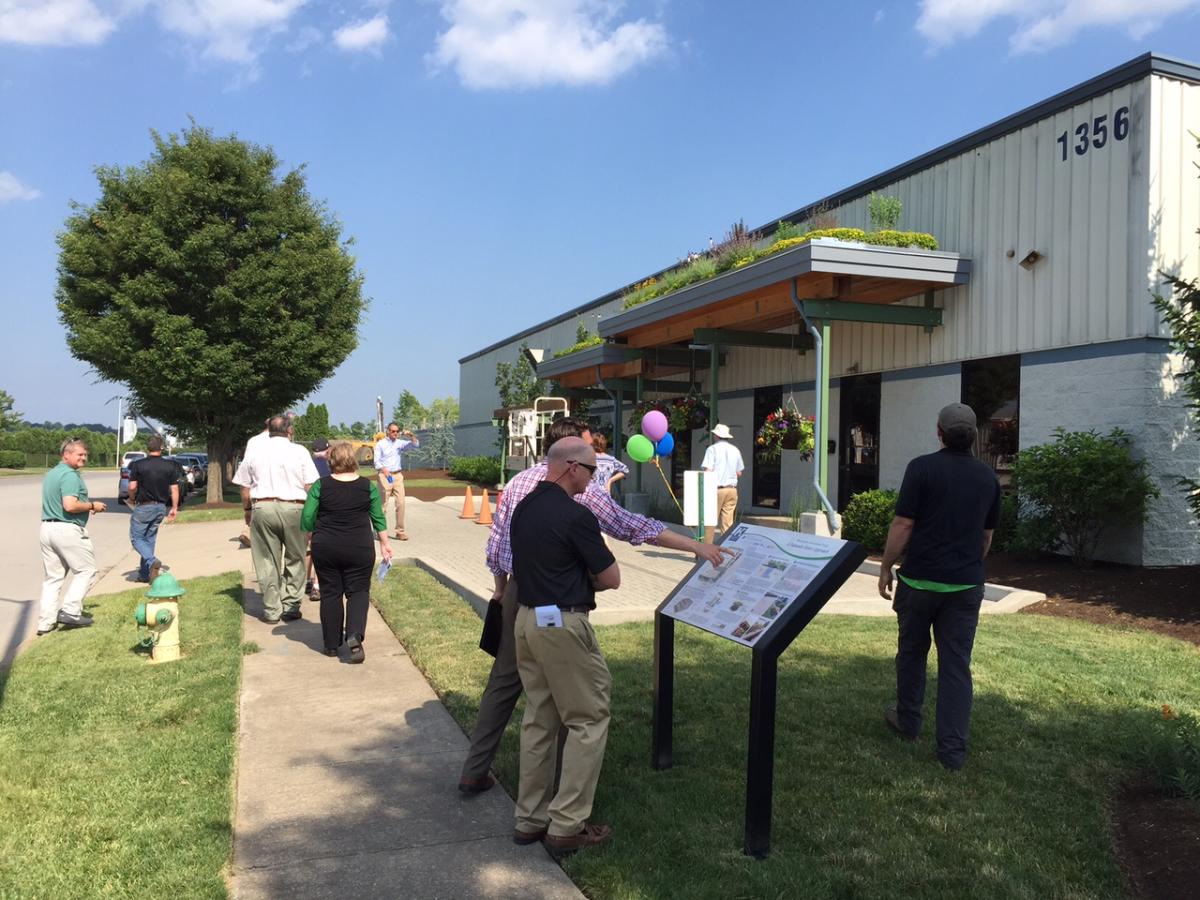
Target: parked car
196 467
129 456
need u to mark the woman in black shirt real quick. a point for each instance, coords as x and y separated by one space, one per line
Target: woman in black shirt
345 516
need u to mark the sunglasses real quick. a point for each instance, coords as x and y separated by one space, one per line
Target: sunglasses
588 466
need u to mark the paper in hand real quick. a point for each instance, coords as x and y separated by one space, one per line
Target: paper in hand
383 569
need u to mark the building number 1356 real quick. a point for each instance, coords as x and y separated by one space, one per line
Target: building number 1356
1094 134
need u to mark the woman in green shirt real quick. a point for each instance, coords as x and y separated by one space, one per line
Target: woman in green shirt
344 514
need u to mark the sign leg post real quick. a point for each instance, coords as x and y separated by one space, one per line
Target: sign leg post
760 758
664 690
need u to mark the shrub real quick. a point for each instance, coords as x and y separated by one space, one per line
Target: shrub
12 459
1022 531
1176 753
477 469
1082 484
868 517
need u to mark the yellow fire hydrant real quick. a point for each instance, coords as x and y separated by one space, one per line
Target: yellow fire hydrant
161 617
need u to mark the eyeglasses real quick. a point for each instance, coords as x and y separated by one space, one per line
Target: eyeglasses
591 469
393 431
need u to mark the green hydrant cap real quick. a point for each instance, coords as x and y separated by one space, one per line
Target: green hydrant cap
165 587
139 614
164 617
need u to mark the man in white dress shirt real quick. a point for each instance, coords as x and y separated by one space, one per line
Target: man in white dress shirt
274 478
724 460
389 458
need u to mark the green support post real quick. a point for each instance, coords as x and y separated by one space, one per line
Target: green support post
714 366
823 452
617 437
637 478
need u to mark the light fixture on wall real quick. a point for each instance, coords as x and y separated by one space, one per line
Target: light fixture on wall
534 355
1031 259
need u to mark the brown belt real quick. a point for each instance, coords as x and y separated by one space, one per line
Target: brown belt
275 500
582 610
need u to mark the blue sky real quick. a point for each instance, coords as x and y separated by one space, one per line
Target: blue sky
500 161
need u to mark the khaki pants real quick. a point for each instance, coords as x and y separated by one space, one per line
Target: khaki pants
394 490
277 548
727 498
567 683
65 547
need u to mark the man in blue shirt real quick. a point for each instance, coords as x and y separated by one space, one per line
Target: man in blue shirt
389 460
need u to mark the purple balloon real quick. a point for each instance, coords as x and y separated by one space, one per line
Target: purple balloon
654 425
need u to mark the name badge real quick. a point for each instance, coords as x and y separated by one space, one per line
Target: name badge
548 616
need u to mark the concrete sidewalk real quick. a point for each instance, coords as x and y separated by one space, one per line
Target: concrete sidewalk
347 780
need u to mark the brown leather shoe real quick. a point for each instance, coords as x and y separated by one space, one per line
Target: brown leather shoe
477 785
401 536
524 838
588 837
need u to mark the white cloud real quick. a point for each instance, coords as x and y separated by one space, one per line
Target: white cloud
368 35
529 43
227 30
1042 24
879 16
54 22
11 188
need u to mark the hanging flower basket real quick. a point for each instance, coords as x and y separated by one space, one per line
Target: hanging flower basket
682 413
785 429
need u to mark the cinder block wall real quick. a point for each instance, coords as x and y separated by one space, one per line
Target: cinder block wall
1126 384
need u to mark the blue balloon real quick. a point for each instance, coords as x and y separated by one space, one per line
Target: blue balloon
665 445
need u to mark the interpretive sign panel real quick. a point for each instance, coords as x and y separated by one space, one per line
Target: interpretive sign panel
768 572
761 597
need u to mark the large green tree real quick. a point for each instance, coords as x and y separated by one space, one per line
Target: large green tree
218 290
8 417
409 412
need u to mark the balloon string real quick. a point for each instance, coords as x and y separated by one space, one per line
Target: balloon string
668 484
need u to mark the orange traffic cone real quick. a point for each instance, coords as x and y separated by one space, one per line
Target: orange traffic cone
485 510
468 511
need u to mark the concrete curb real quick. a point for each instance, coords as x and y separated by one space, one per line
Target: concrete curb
474 599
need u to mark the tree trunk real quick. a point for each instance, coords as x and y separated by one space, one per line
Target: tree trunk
220 468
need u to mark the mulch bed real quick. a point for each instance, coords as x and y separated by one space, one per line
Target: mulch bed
419 493
1166 601
1157 841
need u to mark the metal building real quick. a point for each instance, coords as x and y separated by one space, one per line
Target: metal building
1054 225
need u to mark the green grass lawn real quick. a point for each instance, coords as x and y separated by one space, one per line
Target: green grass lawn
1063 711
231 494
116 774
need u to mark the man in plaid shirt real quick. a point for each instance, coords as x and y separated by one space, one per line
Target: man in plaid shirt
504 683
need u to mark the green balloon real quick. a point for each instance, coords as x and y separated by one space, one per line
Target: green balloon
640 449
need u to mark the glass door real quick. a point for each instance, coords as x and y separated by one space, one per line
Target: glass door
858 446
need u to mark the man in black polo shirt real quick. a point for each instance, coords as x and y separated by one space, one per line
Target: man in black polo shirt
559 562
949 505
153 487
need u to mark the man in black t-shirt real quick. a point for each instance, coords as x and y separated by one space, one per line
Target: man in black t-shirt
948 507
559 562
153 487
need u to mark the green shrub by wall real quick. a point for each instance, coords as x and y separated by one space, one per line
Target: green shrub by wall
479 469
868 516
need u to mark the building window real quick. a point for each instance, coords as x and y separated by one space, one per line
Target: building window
765 483
992 388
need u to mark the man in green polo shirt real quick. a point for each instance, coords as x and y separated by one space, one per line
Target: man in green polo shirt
949 504
66 546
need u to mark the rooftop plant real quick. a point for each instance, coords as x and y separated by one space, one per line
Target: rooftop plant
583 340
736 254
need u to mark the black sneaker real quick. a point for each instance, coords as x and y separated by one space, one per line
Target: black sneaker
80 621
292 615
357 654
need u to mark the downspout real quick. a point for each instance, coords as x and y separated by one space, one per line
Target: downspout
819 438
